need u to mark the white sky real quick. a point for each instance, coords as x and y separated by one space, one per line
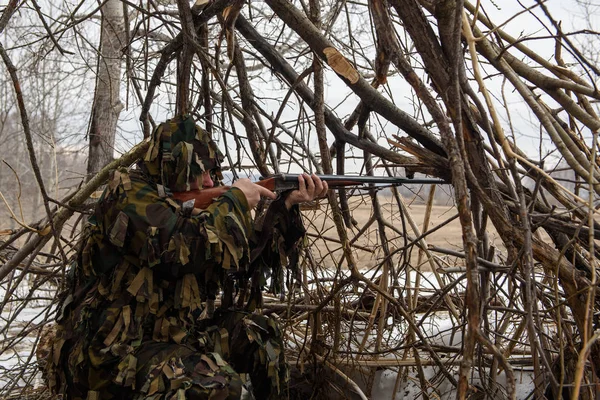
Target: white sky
570 12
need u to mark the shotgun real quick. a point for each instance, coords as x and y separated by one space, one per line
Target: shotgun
284 182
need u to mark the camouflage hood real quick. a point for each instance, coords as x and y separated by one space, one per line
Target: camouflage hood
180 151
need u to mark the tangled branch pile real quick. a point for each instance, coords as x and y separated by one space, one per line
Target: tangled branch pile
431 87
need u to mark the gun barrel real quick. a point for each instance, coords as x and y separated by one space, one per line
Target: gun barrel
356 180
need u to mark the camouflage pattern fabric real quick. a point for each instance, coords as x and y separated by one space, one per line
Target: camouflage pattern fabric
179 152
139 321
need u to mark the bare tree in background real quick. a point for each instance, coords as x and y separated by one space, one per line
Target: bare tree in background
501 105
107 103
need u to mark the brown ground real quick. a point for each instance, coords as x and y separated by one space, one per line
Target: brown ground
321 222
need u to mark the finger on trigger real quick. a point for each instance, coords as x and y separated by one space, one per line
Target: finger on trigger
266 192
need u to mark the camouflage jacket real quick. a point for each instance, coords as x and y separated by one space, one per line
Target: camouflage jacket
147 272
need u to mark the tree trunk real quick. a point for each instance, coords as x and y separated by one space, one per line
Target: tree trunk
107 104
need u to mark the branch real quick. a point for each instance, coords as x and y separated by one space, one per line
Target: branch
332 122
350 76
64 213
9 10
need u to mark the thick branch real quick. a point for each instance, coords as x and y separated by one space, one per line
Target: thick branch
333 123
325 49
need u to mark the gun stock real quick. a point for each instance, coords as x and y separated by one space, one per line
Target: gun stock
284 182
205 197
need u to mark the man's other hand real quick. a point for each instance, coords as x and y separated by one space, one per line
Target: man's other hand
253 191
309 188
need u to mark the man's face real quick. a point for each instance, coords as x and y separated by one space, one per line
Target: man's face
207 181
204 181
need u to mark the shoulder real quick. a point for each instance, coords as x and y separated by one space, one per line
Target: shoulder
129 193
129 186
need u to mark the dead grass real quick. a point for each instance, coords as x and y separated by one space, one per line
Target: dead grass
323 239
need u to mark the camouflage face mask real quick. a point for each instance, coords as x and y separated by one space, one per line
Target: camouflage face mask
179 153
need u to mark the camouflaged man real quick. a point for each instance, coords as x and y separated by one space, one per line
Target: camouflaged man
139 319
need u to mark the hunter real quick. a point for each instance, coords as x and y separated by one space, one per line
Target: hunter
163 299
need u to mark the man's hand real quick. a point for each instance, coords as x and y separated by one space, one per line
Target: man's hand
253 191
309 188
